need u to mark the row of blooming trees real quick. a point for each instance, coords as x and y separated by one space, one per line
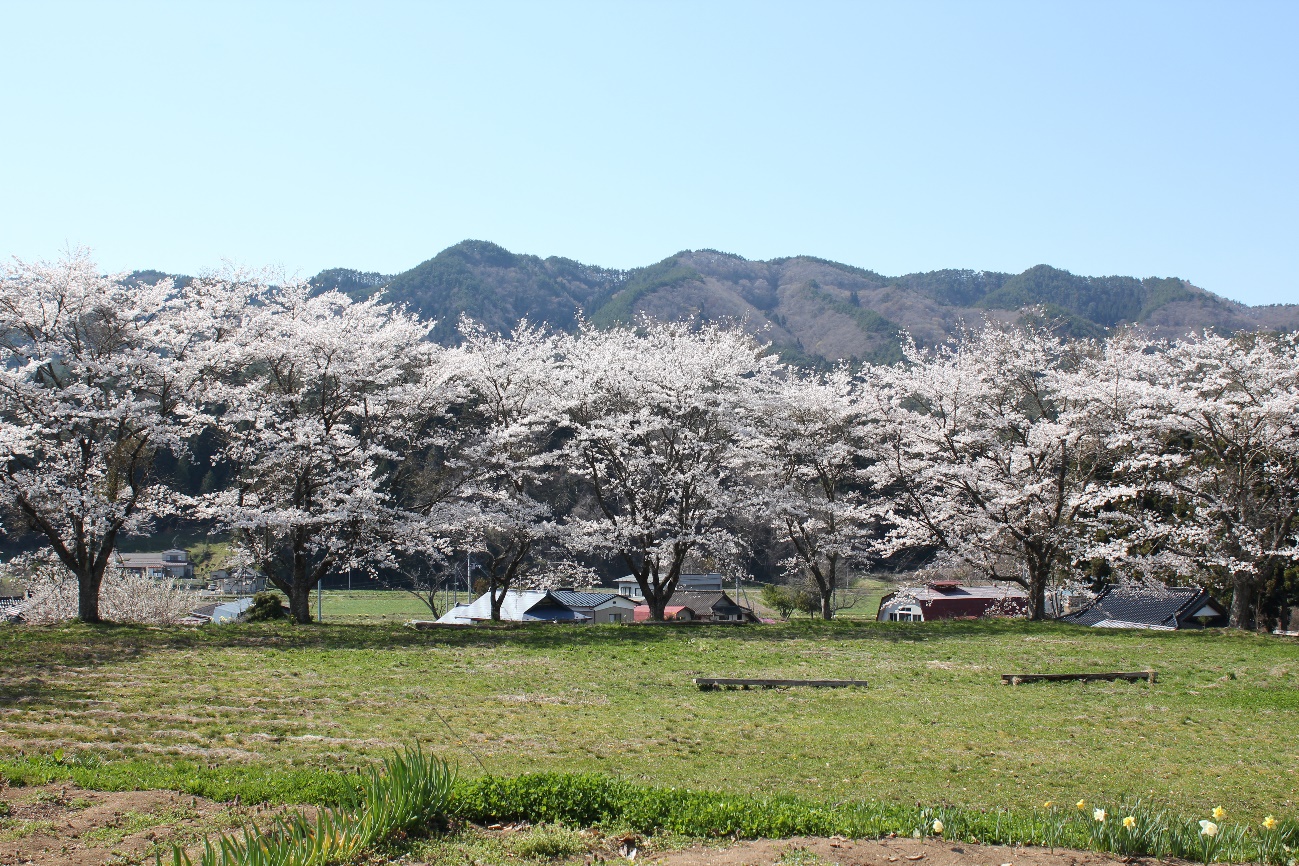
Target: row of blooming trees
351 440
1031 458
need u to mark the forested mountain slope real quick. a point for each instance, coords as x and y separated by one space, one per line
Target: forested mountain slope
810 308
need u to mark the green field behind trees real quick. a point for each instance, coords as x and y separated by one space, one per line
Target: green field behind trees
252 704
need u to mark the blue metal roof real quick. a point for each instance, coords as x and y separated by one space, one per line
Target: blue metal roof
582 599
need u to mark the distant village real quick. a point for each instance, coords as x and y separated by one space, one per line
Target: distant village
226 595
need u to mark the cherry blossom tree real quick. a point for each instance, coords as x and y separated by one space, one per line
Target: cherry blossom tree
1217 473
509 453
96 377
810 474
656 418
1001 454
317 398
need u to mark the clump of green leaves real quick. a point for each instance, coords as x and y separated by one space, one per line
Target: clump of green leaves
584 800
412 790
266 606
787 599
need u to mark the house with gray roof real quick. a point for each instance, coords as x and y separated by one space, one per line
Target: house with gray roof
602 607
168 565
1151 607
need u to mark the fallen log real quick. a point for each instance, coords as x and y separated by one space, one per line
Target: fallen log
1130 676
708 683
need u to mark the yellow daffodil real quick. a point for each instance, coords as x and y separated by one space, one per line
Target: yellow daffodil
1082 804
1049 804
1269 823
1099 815
938 828
1219 813
1129 822
1208 828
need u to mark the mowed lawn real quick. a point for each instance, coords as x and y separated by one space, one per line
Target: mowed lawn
936 725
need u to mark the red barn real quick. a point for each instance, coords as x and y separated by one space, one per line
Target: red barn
948 599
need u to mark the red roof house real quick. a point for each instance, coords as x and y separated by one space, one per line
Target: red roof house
685 606
678 612
949 599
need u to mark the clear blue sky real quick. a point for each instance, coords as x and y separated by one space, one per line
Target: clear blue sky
1126 138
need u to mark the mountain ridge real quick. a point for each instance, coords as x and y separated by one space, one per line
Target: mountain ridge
813 310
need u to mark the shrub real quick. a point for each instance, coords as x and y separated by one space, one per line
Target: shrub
787 599
779 598
266 606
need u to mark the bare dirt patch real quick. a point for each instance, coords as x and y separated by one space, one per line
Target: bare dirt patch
68 826
882 852
62 824
499 845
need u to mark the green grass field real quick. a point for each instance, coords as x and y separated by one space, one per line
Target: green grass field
936 726
360 606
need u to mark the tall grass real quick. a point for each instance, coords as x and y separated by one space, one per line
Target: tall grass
411 790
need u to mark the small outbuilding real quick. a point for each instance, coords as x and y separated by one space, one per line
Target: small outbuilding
519 605
222 611
950 599
602 607
699 607
1163 608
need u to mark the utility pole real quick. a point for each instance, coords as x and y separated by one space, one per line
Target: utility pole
320 601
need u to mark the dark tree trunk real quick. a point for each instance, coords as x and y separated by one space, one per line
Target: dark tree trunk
497 599
300 602
1037 575
825 582
658 592
88 584
658 607
1242 600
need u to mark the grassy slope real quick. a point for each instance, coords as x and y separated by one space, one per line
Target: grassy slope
936 725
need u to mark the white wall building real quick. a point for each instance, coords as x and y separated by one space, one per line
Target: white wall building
628 587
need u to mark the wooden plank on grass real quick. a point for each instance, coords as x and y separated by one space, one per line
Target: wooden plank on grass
706 683
1131 676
